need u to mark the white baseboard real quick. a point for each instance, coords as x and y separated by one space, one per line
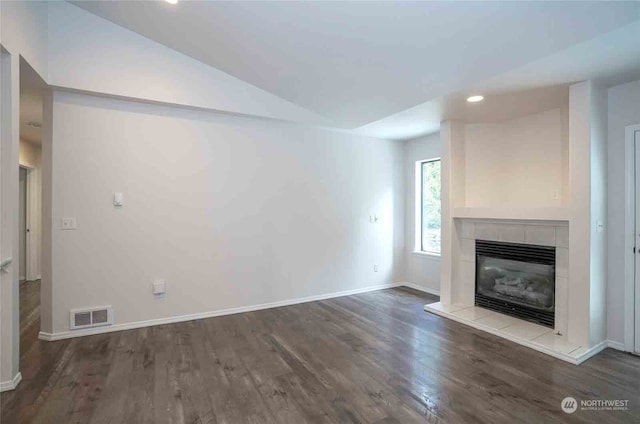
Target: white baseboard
616 345
10 384
421 288
602 346
181 318
593 351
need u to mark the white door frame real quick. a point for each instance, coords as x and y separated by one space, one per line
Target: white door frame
630 238
26 206
9 146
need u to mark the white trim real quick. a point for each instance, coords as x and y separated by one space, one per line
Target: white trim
180 318
553 213
421 288
11 384
591 352
417 204
616 345
429 255
629 230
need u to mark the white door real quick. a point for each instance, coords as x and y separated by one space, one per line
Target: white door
22 227
637 243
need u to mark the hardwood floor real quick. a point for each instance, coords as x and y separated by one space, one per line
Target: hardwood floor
372 358
29 314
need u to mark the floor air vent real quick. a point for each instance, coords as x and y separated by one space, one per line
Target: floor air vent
92 317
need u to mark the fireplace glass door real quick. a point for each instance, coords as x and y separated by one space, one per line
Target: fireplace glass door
526 283
516 279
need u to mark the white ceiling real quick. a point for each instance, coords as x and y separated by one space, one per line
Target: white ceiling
499 106
31 92
613 58
368 65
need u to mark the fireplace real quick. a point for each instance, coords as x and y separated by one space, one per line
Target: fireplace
516 279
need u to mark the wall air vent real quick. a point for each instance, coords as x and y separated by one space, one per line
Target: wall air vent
91 317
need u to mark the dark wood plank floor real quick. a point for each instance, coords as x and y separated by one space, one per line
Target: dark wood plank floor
29 314
372 358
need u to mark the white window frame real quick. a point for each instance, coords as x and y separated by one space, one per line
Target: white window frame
418 209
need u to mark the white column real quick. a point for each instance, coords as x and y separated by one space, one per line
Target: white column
453 194
587 208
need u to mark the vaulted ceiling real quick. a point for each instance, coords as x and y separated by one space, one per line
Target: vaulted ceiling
359 63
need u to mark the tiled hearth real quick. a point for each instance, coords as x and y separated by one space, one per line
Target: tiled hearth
522 332
555 341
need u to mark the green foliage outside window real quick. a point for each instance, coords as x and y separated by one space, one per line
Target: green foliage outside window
430 234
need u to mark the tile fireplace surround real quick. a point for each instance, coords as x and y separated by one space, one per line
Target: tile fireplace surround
545 233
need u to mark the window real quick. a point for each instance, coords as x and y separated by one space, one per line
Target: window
428 216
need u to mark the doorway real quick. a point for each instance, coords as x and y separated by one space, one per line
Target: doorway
30 206
636 291
21 118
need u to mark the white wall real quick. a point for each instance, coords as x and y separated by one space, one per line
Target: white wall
420 269
520 162
29 154
623 110
229 211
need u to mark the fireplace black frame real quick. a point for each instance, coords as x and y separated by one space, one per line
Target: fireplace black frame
545 255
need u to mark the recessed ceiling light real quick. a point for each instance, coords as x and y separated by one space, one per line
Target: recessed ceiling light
474 99
34 124
171 1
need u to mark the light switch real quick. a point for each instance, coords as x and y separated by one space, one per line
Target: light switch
118 199
68 224
159 287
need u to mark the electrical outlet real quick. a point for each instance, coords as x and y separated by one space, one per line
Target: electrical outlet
375 268
68 224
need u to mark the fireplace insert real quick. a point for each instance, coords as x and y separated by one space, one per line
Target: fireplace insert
516 279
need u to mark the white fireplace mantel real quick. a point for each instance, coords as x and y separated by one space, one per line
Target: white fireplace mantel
558 213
